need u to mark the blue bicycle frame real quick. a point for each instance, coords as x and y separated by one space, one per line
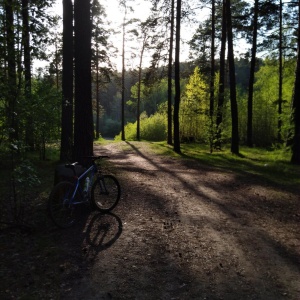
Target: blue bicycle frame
91 171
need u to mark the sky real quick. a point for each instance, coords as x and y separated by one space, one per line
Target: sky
115 16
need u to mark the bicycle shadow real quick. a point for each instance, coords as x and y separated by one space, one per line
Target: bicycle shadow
101 232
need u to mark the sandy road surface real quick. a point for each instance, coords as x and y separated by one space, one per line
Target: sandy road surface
184 231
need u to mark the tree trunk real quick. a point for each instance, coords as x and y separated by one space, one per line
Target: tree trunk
233 102
83 121
177 80
67 83
212 75
11 95
123 79
97 92
221 97
251 77
139 95
296 104
279 137
170 71
57 55
27 72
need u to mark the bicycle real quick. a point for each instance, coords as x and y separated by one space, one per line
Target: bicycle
101 191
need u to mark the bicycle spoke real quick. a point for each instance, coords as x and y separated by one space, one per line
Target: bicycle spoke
105 193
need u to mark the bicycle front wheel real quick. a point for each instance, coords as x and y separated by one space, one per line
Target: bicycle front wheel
60 208
105 193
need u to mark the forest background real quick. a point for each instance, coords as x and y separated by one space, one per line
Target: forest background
225 97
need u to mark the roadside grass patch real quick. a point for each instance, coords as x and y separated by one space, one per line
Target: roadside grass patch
271 165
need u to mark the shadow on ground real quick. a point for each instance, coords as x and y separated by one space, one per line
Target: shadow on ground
183 231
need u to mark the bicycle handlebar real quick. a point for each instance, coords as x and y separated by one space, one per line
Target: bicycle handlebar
94 158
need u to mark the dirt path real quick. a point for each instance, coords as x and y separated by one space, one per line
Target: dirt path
184 231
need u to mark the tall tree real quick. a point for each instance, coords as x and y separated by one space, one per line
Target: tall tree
83 121
170 72
221 94
279 137
212 72
55 56
177 80
145 39
11 94
194 108
233 101
27 70
67 82
97 90
138 125
296 103
102 52
123 3
251 76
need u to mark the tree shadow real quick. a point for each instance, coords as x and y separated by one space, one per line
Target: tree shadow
156 240
234 212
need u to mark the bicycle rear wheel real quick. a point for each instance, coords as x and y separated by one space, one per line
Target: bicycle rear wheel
105 193
61 211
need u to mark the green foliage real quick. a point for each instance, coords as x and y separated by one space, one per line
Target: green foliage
194 108
242 97
25 176
42 109
265 104
130 132
151 97
45 110
153 128
195 122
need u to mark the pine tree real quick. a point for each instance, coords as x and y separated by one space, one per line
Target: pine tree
83 121
67 83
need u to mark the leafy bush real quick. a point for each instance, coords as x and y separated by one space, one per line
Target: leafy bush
153 128
130 132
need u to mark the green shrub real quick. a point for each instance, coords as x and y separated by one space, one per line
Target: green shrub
130 132
152 128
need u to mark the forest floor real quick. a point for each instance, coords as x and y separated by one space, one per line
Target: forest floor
182 230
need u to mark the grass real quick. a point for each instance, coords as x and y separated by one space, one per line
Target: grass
271 165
